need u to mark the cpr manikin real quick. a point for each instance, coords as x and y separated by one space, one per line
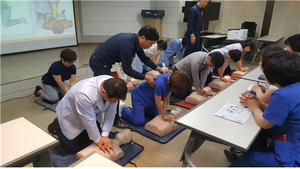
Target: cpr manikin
218 84
131 84
161 128
237 73
123 137
195 98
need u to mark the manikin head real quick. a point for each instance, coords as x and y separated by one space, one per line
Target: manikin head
147 36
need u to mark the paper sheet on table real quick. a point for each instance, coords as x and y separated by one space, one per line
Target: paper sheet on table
234 113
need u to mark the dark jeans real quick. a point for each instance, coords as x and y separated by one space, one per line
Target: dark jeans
78 143
191 48
101 69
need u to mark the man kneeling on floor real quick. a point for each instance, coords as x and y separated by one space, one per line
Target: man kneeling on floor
79 113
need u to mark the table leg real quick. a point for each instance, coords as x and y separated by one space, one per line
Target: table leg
194 142
44 160
260 43
202 44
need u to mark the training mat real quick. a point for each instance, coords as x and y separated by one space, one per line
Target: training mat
174 100
60 158
184 104
152 136
47 104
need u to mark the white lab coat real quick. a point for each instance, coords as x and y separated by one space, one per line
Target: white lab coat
82 106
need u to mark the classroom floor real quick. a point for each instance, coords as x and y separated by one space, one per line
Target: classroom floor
18 67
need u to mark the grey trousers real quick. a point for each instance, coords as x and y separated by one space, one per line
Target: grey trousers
50 92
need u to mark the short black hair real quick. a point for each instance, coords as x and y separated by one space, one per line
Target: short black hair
282 68
115 88
162 44
217 59
269 49
149 32
293 42
183 42
235 55
247 43
68 55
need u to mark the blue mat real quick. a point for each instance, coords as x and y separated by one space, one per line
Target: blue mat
146 133
60 158
47 104
261 77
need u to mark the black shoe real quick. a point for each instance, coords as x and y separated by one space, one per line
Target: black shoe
37 88
234 150
52 128
120 124
230 155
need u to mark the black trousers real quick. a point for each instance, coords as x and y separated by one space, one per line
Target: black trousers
78 143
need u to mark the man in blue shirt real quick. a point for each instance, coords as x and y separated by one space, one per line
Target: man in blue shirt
122 48
194 26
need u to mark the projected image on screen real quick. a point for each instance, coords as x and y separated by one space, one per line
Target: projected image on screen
36 24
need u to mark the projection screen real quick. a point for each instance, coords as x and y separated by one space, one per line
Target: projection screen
28 25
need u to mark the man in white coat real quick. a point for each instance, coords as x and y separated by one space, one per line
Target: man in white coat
79 113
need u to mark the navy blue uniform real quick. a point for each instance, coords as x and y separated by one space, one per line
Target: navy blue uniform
119 48
57 68
194 26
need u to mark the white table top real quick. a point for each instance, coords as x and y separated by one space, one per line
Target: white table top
253 75
202 118
269 38
20 139
214 36
95 160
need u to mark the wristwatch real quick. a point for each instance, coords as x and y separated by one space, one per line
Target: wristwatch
192 34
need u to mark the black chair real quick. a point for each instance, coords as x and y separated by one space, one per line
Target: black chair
251 26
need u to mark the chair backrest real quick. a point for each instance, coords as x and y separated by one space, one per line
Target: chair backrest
251 26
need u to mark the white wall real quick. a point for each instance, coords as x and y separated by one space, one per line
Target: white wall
102 19
286 19
234 13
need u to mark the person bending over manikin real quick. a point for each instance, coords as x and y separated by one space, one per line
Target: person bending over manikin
122 138
162 128
218 84
148 101
194 98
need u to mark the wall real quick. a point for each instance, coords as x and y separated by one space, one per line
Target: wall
286 19
102 19
234 13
